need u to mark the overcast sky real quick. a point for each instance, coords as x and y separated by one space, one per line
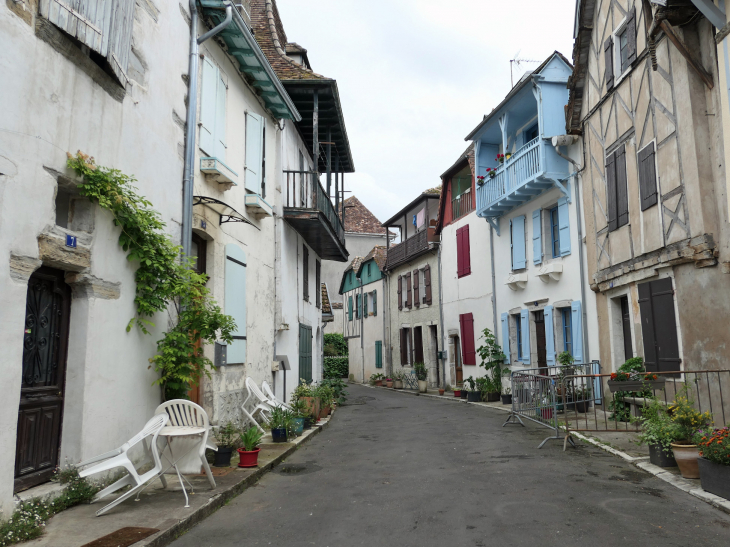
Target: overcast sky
416 76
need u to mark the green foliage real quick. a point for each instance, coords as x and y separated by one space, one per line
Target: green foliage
566 359
492 359
715 445
687 419
375 377
299 408
420 370
635 364
335 345
339 389
302 390
336 367
471 382
162 279
251 438
226 435
621 411
326 395
657 427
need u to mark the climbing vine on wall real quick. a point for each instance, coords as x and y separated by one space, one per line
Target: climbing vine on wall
165 281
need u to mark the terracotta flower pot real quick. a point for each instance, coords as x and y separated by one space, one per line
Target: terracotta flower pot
388 384
441 391
312 406
687 456
324 412
248 459
379 383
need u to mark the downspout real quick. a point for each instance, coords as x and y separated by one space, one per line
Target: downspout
441 319
567 140
191 118
494 278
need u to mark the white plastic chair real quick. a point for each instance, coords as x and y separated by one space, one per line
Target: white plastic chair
119 458
191 420
261 401
272 400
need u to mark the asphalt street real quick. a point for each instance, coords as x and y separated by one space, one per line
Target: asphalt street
400 470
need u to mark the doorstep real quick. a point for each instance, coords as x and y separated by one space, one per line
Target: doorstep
163 509
669 475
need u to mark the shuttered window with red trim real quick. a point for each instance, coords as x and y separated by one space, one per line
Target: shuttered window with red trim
466 324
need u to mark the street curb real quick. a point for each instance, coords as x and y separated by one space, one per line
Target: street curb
165 537
639 462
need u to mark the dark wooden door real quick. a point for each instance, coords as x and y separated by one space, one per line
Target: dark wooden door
659 326
434 345
626 324
418 345
459 371
305 352
45 343
540 340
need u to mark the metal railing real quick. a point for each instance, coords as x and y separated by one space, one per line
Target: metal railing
522 166
304 191
461 205
406 250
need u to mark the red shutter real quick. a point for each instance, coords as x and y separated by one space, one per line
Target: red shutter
427 284
400 292
416 294
459 257
466 324
465 251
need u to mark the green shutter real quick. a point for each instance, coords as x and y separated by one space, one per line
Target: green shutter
349 307
378 354
359 306
305 353
235 301
365 304
375 302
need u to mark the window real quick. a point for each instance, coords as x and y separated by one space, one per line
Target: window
400 292
305 273
463 252
359 305
235 301
466 325
647 177
620 50
518 330
409 302
198 250
532 133
517 235
617 196
213 111
567 330
254 167
555 232
107 32
623 48
375 302
318 283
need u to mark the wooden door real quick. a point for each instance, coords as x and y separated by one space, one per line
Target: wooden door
305 352
418 345
435 347
459 371
45 343
659 326
626 325
541 341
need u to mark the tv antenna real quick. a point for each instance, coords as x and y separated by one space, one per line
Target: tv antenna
517 61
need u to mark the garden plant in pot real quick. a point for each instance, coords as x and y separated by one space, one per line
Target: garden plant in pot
689 423
457 391
658 431
581 397
389 382
339 389
248 454
493 359
506 395
398 379
715 461
326 396
621 388
279 422
226 438
377 379
299 409
305 392
422 376
473 395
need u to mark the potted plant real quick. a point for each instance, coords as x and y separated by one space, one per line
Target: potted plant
635 381
398 379
325 394
715 462
377 379
688 422
248 454
506 395
226 438
480 180
473 395
493 359
457 391
658 432
422 376
581 398
305 392
278 423
299 409
441 391
389 382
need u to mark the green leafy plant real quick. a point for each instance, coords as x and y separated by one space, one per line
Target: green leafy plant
277 420
164 279
375 377
657 427
715 445
620 409
299 408
335 345
336 367
688 420
566 359
471 383
420 370
326 395
226 435
339 389
492 358
304 389
251 439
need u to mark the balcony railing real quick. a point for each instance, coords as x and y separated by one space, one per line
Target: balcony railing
304 191
523 166
461 205
408 249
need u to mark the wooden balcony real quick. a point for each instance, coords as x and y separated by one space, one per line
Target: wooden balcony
309 210
410 248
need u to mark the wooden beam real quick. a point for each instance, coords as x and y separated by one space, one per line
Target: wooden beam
696 66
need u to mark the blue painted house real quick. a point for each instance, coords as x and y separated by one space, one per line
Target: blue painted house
525 191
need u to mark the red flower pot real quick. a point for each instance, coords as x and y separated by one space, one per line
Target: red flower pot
547 413
248 459
457 393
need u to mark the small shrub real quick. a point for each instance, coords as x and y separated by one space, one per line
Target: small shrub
715 446
336 367
335 345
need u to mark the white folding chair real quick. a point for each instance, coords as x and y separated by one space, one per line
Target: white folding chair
262 405
119 458
190 420
271 398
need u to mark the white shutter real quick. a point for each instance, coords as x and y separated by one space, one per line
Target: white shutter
220 117
120 37
87 20
208 99
235 301
254 151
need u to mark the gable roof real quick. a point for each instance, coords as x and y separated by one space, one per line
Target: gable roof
354 265
466 158
379 254
327 315
359 219
424 196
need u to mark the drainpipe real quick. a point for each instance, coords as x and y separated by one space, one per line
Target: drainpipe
191 118
567 140
494 278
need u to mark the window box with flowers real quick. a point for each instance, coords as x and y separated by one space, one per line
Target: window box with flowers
635 381
714 462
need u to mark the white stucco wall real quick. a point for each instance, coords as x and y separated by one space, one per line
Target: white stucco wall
370 328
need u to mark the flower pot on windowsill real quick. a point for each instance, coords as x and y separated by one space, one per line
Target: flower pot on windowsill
223 456
715 478
687 456
248 458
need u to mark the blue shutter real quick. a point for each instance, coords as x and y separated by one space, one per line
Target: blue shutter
375 302
208 99
525 322
505 337
220 118
235 300
564 223
577 330
549 336
254 151
536 237
349 307
519 259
